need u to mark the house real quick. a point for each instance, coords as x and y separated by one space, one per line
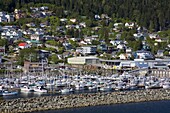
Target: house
30 24
97 17
82 42
122 56
10 18
130 25
139 36
43 54
2 50
160 53
153 36
67 46
116 42
128 50
116 25
121 46
104 16
23 45
82 24
87 50
3 13
73 20
18 14
161 40
125 56
66 54
44 8
3 19
102 47
36 37
63 19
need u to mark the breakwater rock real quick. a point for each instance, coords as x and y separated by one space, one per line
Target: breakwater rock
22 105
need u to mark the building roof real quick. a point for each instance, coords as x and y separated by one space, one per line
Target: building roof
22 44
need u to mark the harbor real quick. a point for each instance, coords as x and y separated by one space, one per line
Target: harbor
73 87
81 82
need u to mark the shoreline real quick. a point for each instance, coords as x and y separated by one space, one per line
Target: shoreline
23 105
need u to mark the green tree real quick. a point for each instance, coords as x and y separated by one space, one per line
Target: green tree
54 58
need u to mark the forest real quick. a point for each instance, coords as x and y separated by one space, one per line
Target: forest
152 14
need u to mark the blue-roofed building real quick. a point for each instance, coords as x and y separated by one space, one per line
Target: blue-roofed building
142 54
141 64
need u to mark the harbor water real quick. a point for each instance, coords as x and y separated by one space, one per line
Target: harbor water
142 107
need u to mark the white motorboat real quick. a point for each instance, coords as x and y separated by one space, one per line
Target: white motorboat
66 90
40 89
79 86
166 86
26 89
9 93
92 87
105 88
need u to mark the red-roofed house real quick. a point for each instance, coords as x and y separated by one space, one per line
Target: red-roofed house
23 45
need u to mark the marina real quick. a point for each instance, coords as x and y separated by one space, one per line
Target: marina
65 83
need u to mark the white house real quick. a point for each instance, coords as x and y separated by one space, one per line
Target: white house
9 17
121 46
122 56
130 25
36 37
87 50
73 20
115 42
153 36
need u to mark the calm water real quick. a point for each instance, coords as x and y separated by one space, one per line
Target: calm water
35 94
144 107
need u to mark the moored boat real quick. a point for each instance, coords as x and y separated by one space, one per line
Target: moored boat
9 93
40 89
26 89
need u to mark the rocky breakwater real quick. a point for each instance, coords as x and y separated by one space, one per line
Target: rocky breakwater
81 100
